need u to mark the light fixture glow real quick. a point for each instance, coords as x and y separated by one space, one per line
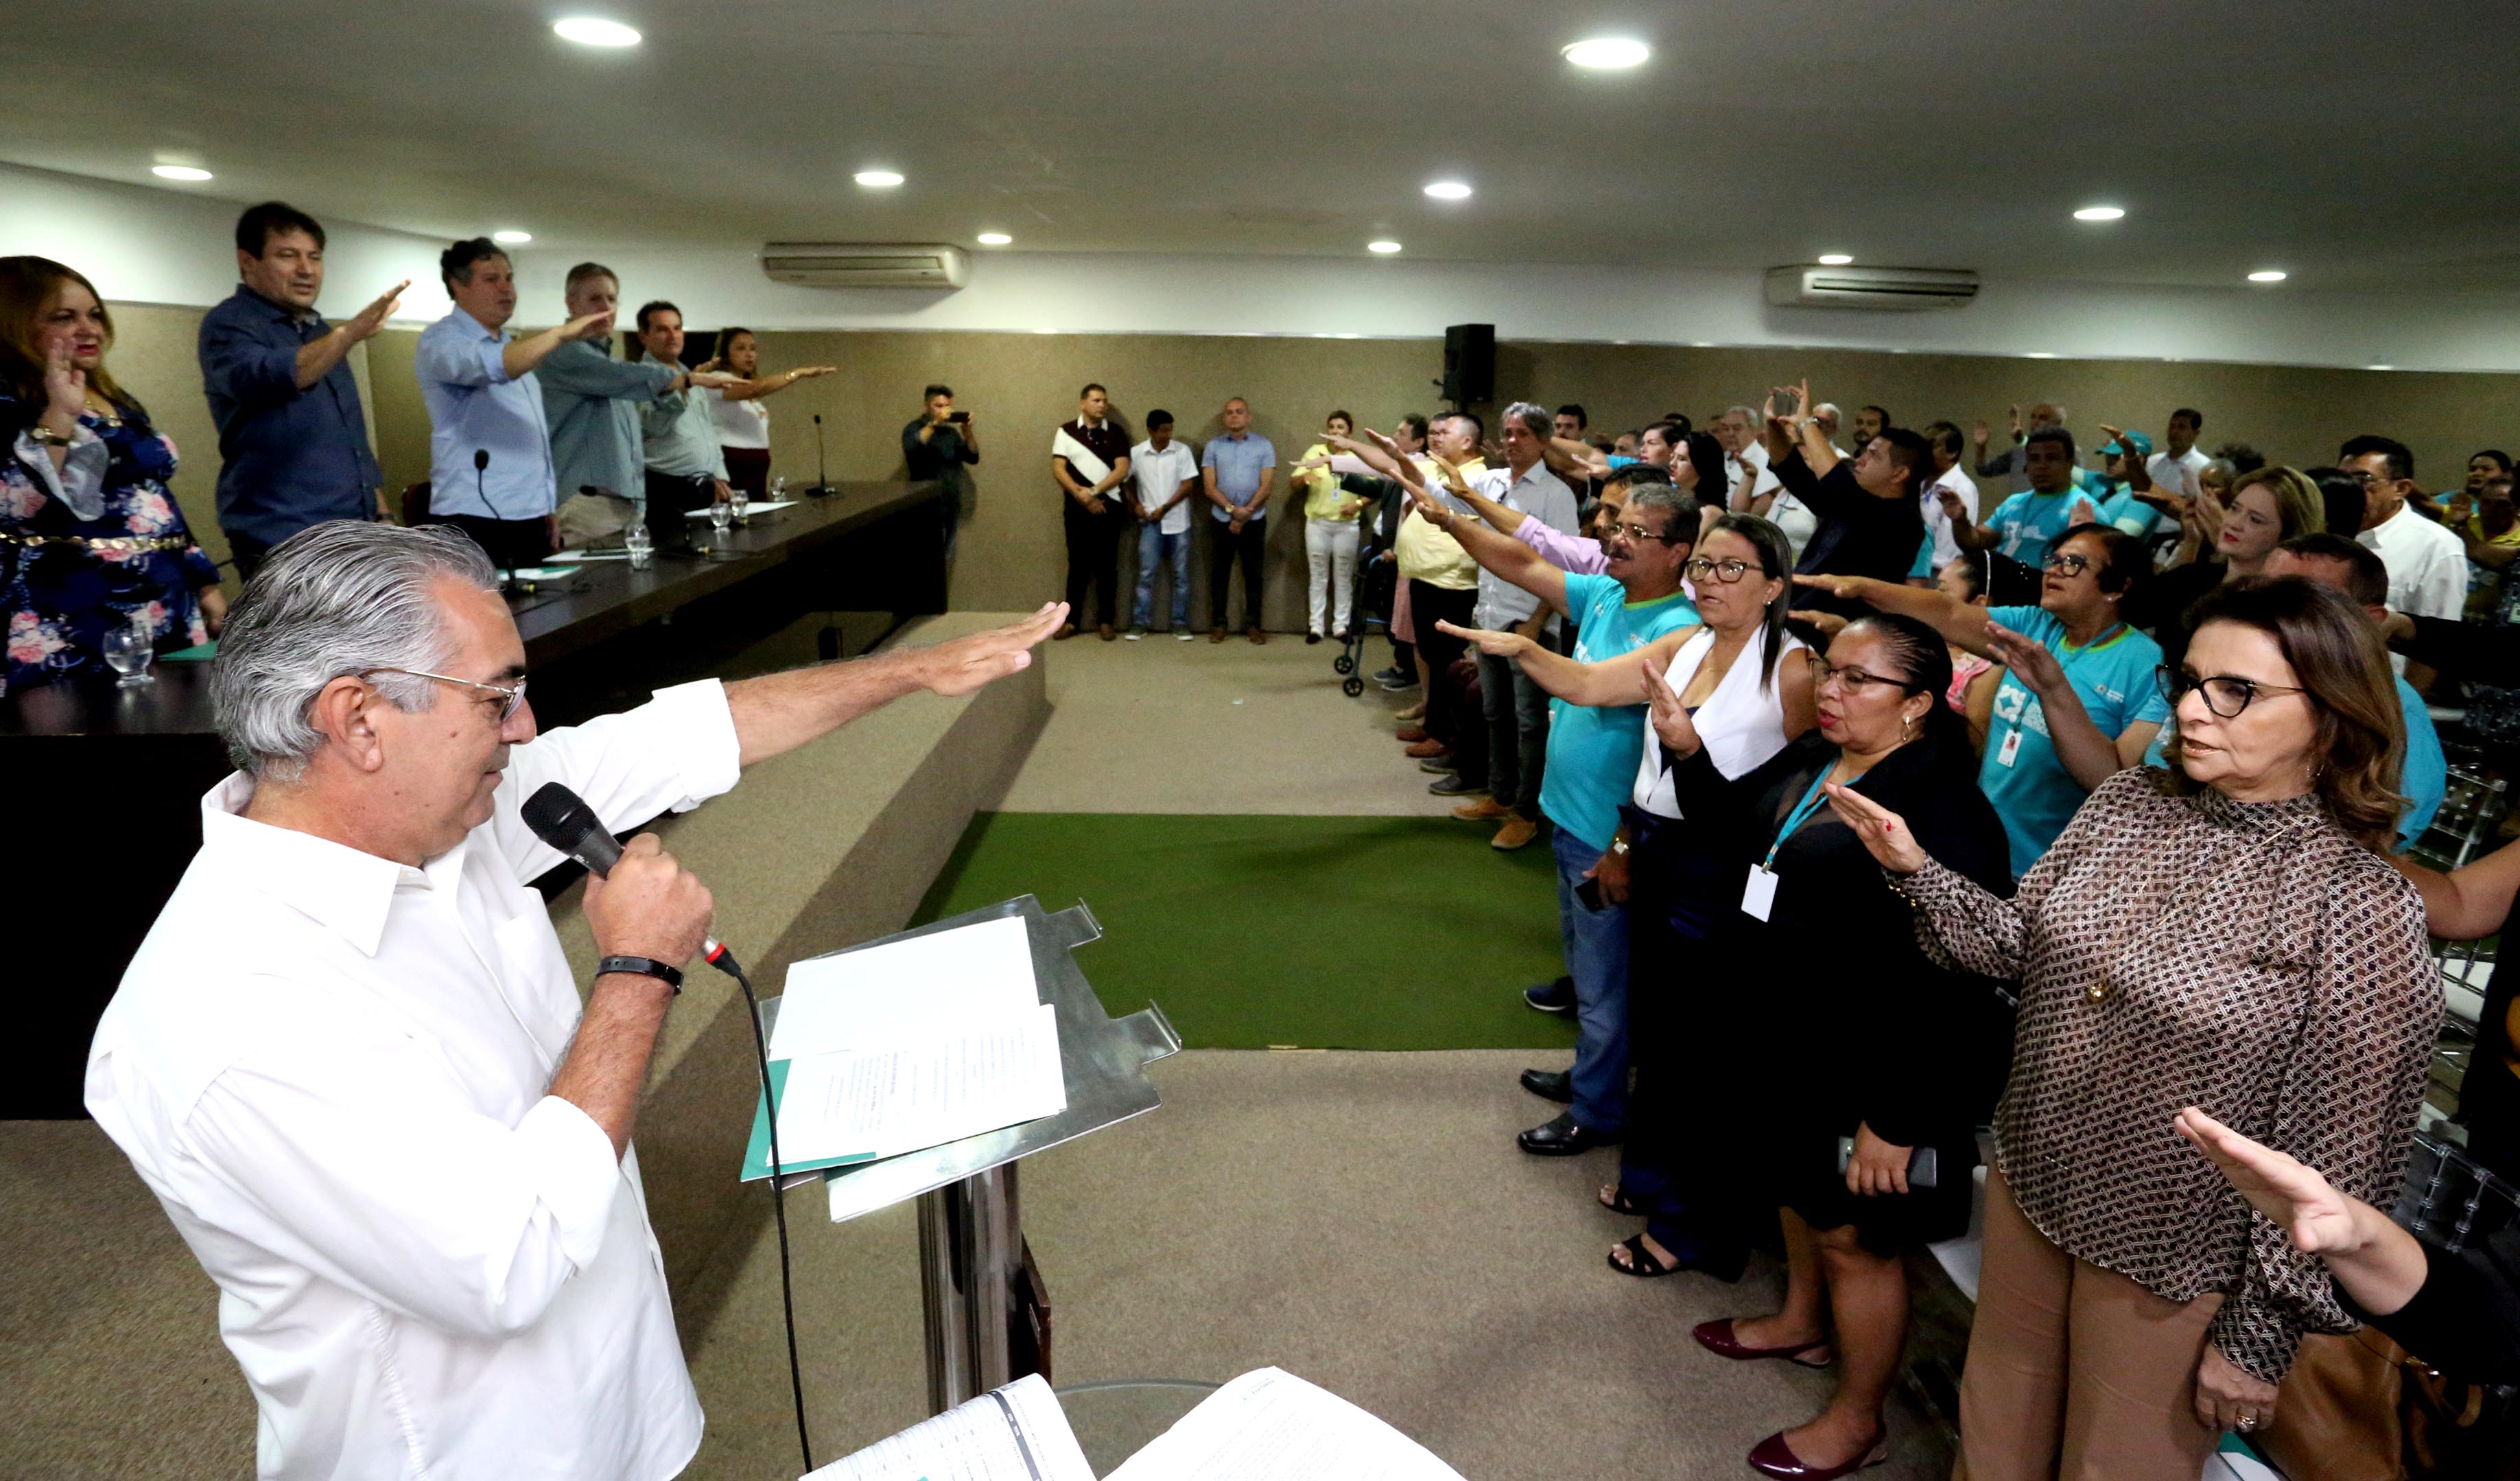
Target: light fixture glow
2099 214
1386 247
877 179
512 238
1044 331
2379 367
994 239
590 30
1834 259
1345 337
1448 190
2038 355
1608 52
2268 275
179 172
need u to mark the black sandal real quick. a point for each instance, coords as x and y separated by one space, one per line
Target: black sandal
1620 1203
1644 1265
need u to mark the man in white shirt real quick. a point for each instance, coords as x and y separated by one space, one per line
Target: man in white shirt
1944 439
1164 473
349 1058
2177 467
2427 564
1752 487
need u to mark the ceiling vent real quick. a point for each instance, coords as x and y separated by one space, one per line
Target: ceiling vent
865 264
1891 288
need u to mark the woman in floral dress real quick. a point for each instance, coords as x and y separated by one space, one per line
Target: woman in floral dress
90 538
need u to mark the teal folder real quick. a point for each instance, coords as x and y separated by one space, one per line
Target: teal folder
756 1152
196 654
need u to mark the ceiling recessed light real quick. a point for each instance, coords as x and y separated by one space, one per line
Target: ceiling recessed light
1834 259
2268 275
512 238
1448 190
588 31
1608 52
877 179
2379 367
1345 337
994 239
179 172
2099 214
1044 331
2038 355
1386 247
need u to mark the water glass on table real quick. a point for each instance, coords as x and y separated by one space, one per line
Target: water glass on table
129 649
720 512
740 503
641 546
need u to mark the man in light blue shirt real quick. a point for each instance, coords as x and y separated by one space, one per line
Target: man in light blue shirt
593 402
1239 468
685 465
490 446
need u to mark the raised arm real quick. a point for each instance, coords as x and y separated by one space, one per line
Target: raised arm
780 712
1959 623
771 385
1509 558
1605 685
2466 905
519 357
1573 457
2091 755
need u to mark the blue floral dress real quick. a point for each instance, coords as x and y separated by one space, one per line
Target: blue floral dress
66 581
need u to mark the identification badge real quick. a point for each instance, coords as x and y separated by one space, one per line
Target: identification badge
2010 749
1759 894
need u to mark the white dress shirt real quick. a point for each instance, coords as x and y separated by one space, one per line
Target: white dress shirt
2178 475
1542 495
1157 475
2427 568
330 1069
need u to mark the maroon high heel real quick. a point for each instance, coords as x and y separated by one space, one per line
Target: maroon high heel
1717 1338
1772 1457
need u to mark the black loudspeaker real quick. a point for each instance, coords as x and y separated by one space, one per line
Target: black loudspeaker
1469 363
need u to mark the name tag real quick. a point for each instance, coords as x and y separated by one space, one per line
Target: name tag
2010 749
1759 892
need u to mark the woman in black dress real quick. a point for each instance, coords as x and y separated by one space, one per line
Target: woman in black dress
1905 1055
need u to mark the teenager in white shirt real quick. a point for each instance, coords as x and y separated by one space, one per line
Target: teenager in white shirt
1162 474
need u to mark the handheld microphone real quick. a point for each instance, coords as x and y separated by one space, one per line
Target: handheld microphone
561 818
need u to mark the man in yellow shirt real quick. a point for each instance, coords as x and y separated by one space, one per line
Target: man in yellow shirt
1444 587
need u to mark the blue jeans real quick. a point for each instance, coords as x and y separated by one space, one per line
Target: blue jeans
1156 548
1597 957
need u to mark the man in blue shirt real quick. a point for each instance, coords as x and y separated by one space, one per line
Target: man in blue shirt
489 444
293 445
593 402
1239 468
2020 531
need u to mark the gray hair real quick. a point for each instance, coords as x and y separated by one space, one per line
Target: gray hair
1749 418
2224 467
1826 411
342 597
1535 418
1667 497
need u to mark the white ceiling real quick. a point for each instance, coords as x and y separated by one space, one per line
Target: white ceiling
2355 148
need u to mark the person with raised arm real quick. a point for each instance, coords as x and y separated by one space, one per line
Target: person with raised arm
743 422
1865 508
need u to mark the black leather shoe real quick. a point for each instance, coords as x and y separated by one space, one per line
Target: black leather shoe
1552 997
1562 1137
1549 1085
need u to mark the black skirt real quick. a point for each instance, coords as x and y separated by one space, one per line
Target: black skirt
1808 1183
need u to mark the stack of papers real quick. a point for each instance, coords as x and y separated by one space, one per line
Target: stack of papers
750 510
910 1044
1268 1425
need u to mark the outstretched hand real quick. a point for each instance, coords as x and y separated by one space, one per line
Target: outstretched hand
965 664
2139 476
1826 623
1670 718
367 321
2292 1197
1493 644
1846 589
1883 833
65 384
2030 661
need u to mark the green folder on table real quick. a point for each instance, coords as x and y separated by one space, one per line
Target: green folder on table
199 653
756 1151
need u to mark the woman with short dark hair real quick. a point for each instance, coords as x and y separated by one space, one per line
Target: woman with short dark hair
2227 935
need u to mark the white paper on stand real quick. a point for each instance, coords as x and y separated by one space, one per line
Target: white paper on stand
1271 1425
946 982
1016 1433
922 1090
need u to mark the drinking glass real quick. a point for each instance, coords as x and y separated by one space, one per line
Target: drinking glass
779 488
129 649
640 544
740 504
720 512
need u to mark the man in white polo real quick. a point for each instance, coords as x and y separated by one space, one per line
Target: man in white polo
350 1060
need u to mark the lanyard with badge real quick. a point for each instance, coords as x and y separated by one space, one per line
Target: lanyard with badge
1759 892
2011 751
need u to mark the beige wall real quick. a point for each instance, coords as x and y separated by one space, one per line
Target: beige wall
1018 387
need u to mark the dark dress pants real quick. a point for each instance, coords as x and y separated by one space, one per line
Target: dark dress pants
1227 550
1093 559
1446 720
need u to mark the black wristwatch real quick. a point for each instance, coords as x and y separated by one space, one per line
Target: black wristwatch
644 966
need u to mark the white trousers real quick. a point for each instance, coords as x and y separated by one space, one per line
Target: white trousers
1330 550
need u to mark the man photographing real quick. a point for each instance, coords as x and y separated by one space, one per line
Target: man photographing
349 1058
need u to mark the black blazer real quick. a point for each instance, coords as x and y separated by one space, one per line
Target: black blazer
1883 1035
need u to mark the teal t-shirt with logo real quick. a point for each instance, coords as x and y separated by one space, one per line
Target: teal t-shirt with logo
2022 775
2031 522
1593 749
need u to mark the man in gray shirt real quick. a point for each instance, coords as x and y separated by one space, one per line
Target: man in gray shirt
685 468
592 402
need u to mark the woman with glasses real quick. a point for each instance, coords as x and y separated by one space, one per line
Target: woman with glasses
1739 677
2090 573
2227 935
1901 1056
2226 542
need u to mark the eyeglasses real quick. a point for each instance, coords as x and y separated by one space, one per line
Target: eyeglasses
2369 477
2226 694
1640 533
1699 567
1855 680
511 698
2067 564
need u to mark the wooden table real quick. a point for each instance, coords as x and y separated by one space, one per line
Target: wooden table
109 780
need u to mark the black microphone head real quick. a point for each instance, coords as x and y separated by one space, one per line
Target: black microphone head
481 458
818 419
561 818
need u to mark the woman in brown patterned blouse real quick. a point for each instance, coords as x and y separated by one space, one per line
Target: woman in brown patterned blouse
2225 935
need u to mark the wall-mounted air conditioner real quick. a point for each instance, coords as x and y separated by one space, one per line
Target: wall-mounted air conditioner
865 264
1897 288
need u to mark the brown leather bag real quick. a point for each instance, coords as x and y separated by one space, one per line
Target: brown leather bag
2360 1408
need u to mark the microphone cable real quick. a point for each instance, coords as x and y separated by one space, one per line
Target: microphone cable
723 960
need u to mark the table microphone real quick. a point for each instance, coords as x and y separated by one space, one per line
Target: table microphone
561 818
822 465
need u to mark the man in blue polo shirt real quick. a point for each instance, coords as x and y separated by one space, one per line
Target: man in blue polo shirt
293 446
1239 468
2021 529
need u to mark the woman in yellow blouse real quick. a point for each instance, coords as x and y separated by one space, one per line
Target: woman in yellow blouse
1330 534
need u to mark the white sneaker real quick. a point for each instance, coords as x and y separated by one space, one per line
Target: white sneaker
1135 634
1185 635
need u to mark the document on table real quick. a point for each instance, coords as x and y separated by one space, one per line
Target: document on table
591 555
1271 1425
923 1088
701 513
1015 1433
945 981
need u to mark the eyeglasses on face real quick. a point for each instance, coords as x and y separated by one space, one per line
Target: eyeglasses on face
2067 564
1854 680
2226 694
1699 567
1640 533
512 697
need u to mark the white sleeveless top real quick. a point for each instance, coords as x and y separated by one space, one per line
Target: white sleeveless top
740 424
1742 724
